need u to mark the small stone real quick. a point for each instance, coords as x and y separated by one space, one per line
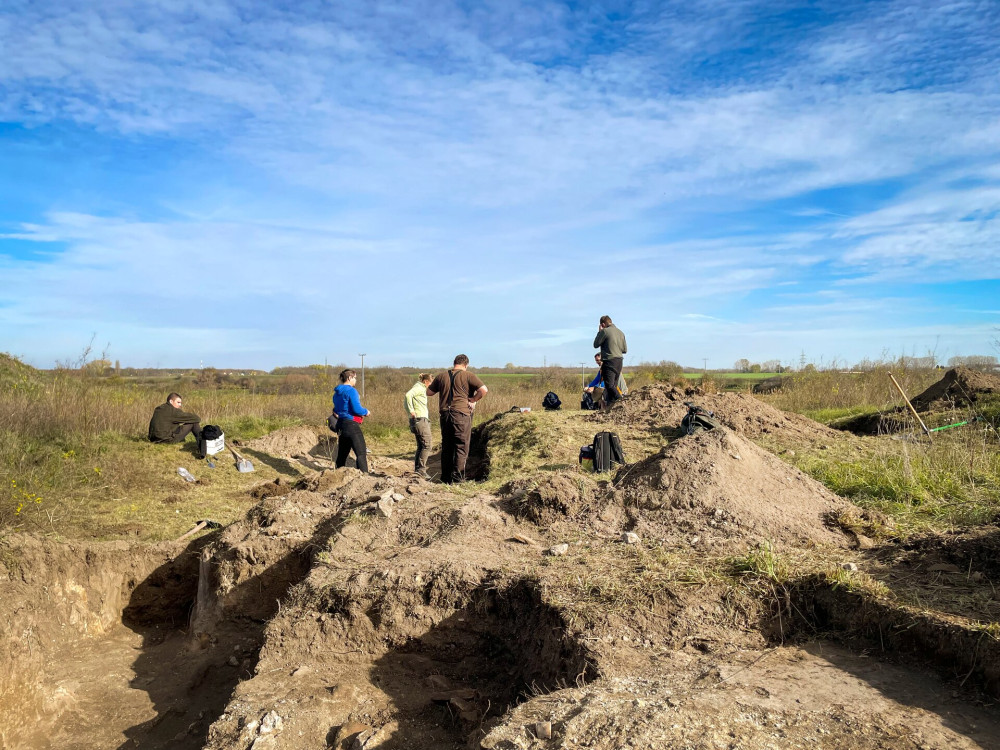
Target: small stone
233 661
384 507
558 550
543 730
736 456
849 567
630 537
271 723
397 497
791 454
977 576
301 671
695 539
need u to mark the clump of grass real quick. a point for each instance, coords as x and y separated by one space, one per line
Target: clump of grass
762 562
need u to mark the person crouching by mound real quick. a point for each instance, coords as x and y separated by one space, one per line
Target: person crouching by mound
171 425
350 413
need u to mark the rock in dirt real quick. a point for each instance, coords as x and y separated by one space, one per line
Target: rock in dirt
558 550
694 480
849 567
543 730
271 722
385 507
630 537
347 733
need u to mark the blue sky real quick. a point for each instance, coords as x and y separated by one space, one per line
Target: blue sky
256 184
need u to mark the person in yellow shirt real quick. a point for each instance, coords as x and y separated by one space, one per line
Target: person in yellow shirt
420 423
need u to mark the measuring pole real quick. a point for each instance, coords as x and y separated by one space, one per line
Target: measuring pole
362 374
910 406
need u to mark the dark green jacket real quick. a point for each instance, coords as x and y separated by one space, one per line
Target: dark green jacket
612 342
165 421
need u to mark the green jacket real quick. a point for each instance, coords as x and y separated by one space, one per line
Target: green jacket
612 342
415 400
165 421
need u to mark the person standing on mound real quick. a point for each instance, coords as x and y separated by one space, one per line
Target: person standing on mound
613 350
459 391
415 401
350 414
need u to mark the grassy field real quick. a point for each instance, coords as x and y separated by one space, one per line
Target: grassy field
74 460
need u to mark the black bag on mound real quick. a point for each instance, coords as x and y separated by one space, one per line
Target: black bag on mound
607 451
587 402
697 419
551 401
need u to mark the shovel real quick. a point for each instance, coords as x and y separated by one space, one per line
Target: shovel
243 465
206 524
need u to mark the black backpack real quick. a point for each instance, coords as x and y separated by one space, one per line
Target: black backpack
587 402
211 432
551 401
697 419
607 451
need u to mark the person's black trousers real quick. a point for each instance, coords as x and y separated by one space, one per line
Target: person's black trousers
456 434
611 369
350 438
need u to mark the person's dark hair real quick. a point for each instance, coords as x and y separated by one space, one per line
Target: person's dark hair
172 396
425 377
346 375
461 359
605 320
597 356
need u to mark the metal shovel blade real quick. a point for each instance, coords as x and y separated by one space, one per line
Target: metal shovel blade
243 465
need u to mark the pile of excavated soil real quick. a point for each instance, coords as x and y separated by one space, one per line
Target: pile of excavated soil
960 386
718 488
661 405
290 441
550 498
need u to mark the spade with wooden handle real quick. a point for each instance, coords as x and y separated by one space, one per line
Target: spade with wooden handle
243 465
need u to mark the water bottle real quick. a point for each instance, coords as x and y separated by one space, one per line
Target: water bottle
186 475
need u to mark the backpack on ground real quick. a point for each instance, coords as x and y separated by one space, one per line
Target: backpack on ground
213 440
607 451
587 402
697 419
551 401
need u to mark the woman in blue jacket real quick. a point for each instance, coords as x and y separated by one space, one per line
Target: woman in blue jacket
350 413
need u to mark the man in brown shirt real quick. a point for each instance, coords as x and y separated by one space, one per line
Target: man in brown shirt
458 390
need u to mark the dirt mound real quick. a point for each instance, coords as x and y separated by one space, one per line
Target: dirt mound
551 498
960 386
662 405
717 487
289 441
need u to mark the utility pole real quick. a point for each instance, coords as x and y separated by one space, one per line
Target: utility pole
705 361
583 373
362 374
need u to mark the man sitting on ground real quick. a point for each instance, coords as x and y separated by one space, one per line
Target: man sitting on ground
171 425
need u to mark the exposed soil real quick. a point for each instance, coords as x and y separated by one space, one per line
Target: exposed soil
383 611
663 406
960 386
291 442
716 488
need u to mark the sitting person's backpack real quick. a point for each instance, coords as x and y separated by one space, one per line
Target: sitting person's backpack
607 451
697 419
587 402
587 457
551 401
213 440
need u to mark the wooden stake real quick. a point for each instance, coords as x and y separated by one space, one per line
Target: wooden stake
910 406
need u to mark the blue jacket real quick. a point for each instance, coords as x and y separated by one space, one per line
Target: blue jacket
346 402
